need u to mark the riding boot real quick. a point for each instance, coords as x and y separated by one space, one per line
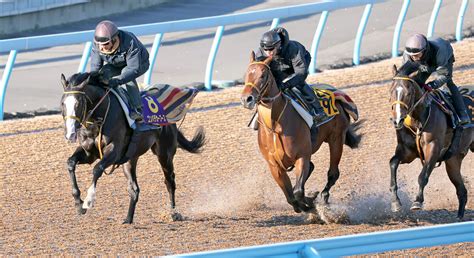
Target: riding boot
135 101
458 104
317 111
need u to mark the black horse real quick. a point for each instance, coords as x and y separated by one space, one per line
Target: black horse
424 131
91 113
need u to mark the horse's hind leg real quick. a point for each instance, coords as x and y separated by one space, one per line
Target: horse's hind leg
453 168
130 171
335 150
79 156
165 150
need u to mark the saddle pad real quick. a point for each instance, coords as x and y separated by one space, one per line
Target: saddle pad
468 95
328 95
164 104
125 109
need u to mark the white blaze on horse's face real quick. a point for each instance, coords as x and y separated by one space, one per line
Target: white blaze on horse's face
70 123
398 106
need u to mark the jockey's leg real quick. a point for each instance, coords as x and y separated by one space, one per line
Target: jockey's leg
458 103
135 101
317 111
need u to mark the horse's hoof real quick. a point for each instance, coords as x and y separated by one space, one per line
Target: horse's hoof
127 221
396 207
416 206
81 211
296 209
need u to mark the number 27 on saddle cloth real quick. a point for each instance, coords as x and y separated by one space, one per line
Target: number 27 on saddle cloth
328 95
164 104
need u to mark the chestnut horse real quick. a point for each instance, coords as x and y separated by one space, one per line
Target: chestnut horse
424 131
285 140
95 117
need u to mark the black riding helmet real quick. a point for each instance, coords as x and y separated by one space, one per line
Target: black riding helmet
105 32
269 40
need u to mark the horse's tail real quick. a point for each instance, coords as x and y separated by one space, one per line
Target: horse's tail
352 137
193 146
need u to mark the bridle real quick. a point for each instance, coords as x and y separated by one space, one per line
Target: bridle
84 120
261 91
410 108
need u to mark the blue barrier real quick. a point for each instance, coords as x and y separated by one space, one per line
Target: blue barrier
434 16
354 244
360 33
459 23
398 27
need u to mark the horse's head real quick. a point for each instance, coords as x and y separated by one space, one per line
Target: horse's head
260 85
404 92
74 103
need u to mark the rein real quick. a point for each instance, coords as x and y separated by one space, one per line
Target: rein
420 100
278 149
85 118
266 86
410 111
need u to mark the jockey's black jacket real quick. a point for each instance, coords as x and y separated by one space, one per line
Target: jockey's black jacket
131 58
438 58
292 62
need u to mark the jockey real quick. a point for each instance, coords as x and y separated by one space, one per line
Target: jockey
436 56
126 53
289 66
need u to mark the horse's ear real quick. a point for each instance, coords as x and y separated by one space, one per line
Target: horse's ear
63 81
413 74
268 60
394 70
252 57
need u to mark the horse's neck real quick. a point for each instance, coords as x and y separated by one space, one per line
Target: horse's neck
273 113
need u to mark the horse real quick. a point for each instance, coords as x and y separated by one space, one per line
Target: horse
285 140
424 131
91 114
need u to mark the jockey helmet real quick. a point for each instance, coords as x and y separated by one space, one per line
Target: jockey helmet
270 40
105 32
416 44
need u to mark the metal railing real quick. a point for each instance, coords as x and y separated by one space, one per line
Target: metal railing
15 7
28 43
368 243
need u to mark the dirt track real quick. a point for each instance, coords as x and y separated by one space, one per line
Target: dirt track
226 194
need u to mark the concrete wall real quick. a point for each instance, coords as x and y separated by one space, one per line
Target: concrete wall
96 8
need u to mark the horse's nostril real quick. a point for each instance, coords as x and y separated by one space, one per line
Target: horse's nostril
249 99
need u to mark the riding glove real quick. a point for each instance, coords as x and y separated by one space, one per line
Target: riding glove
113 83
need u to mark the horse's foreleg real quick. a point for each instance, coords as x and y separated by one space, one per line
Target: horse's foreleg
395 202
335 152
130 171
79 156
96 174
453 168
303 171
284 182
431 152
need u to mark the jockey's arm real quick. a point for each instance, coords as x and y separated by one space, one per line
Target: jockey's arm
301 72
135 67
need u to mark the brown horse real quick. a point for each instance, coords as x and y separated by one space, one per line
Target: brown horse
285 140
95 117
424 131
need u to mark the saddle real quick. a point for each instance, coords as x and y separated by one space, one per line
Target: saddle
327 96
443 99
162 104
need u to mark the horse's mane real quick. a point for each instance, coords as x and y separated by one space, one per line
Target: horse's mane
78 78
408 68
